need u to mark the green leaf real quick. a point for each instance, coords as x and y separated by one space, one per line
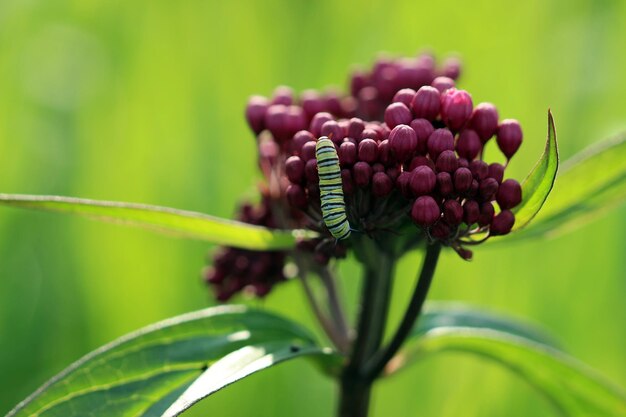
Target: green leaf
143 373
572 387
538 184
166 220
590 184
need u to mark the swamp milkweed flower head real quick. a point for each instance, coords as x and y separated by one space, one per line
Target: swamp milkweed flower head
410 146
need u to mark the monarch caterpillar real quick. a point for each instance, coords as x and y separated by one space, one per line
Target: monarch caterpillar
331 191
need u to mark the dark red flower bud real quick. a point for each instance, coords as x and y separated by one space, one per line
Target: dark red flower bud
332 129
471 212
496 171
296 196
368 150
296 119
447 162
294 168
480 169
310 171
283 95
502 223
368 102
344 125
385 131
509 137
355 128
463 163
358 81
440 140
423 129
403 142
440 230
298 141
486 214
347 182
462 180
418 161
404 183
404 96
333 102
255 113
444 184
312 103
393 172
347 153
308 151
468 145
484 120
384 152
443 83
316 123
381 184
362 173
425 211
466 254
488 188
369 134
397 114
378 167
474 188
456 108
509 194
348 106
426 103
452 212
452 68
423 180
276 121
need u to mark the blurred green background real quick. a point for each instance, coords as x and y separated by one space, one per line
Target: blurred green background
143 101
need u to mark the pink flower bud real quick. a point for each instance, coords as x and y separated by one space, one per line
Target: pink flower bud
509 137
456 108
509 194
403 142
426 103
423 180
425 211
468 144
397 114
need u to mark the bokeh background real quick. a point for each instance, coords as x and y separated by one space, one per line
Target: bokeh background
143 101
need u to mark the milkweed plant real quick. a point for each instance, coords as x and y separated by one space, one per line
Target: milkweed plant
404 162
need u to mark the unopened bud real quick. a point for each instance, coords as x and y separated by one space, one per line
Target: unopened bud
426 103
509 137
509 194
425 211
502 223
456 108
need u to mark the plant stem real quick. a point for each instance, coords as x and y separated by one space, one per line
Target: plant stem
335 307
377 364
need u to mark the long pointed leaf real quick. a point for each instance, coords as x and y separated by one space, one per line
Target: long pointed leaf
167 220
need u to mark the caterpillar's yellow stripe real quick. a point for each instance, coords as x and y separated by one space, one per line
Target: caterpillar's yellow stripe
331 189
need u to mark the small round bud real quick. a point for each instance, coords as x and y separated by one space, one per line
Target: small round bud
346 181
447 162
444 184
369 133
426 103
347 153
462 180
440 230
368 150
509 194
443 83
296 119
296 196
509 137
463 163
440 140
308 151
404 183
310 171
404 96
378 167
299 139
283 95
425 211
480 169
333 131
355 128
255 113
488 189
452 212
468 144
381 184
423 129
276 121
466 254
486 214
502 223
294 168
456 108
316 123
403 142
484 120
452 68
393 172
471 212
312 103
419 160
362 173
358 81
397 114
496 171
384 152
423 180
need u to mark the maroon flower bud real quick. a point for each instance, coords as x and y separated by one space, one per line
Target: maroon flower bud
463 163
466 254
496 171
347 153
456 108
381 184
347 182
509 137
312 103
471 212
255 113
308 151
462 180
298 141
294 168
358 81
426 103
344 124
404 183
355 128
296 120
348 106
444 184
384 131
310 171
403 142
443 83
378 167
480 169
404 96
452 212
423 129
384 152
332 129
484 120
369 134
509 194
502 223
440 231
440 140
283 95
486 214
474 188
316 123
276 121
333 102
368 101
425 211
447 162
423 180
393 172
418 161
468 145
452 68
296 196
488 188
362 173
397 114
368 150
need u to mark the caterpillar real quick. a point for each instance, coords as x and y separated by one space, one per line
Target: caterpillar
331 190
